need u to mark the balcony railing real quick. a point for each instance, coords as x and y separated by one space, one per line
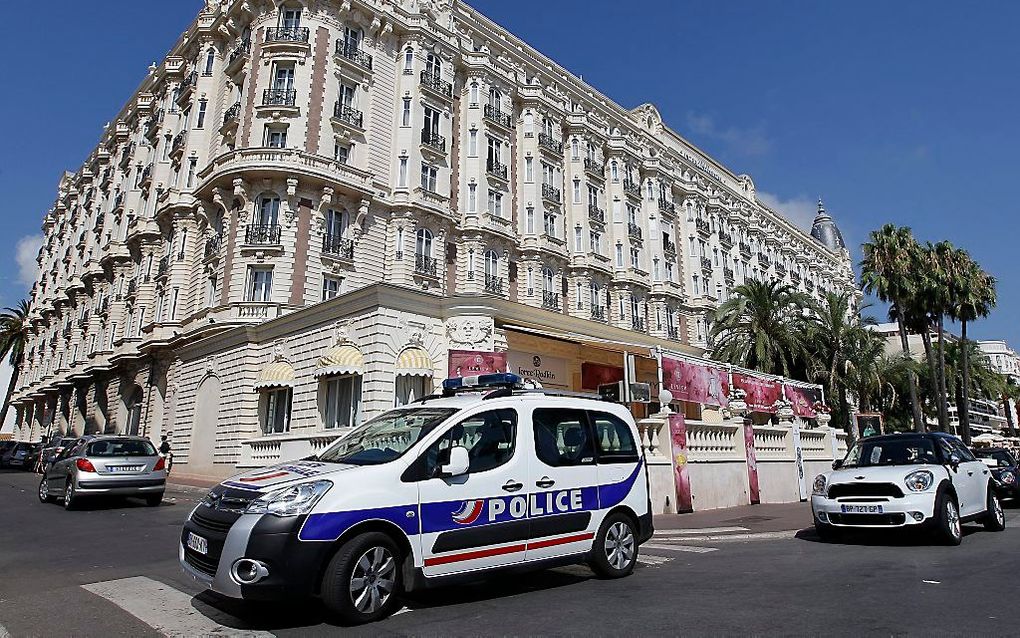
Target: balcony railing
233 114
780 269
598 313
178 142
352 52
725 238
125 155
118 201
436 84
745 249
433 141
551 143
551 193
164 266
240 50
550 300
496 116
795 277
262 234
667 206
703 226
494 284
810 285
596 214
669 246
672 332
287 34
764 260
279 97
338 247
728 274
637 323
132 287
83 320
348 114
425 265
212 246
494 167
145 175
706 264
631 188
633 230
592 166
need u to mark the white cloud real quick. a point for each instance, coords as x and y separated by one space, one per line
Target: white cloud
25 253
742 141
800 210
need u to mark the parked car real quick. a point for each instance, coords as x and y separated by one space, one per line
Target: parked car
918 481
22 456
5 447
105 466
1004 468
55 448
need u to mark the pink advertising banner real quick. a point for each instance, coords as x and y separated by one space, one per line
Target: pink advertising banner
465 363
695 383
752 464
681 479
762 394
803 400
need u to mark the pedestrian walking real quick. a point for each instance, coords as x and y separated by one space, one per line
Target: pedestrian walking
166 453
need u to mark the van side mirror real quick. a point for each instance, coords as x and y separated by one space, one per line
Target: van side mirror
954 461
838 463
457 463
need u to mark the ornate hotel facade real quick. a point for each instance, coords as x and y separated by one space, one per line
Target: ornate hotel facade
308 204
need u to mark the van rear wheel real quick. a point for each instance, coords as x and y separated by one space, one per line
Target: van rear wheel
363 580
615 551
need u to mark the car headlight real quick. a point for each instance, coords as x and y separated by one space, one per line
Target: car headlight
290 501
1007 477
820 483
919 481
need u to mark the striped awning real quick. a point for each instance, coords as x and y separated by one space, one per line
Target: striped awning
278 374
414 362
342 359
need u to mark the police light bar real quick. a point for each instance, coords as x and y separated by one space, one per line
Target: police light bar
481 381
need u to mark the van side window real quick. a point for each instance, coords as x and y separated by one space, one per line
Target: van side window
613 439
562 437
489 437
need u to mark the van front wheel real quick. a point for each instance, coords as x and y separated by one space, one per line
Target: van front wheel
362 582
615 551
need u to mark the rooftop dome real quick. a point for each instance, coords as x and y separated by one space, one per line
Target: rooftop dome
825 230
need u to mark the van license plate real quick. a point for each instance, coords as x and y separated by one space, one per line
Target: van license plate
862 509
198 543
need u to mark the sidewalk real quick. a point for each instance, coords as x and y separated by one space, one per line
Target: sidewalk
745 519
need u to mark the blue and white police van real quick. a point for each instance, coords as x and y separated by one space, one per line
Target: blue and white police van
488 476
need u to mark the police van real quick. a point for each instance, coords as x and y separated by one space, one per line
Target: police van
487 476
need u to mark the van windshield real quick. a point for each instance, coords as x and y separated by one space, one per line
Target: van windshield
386 437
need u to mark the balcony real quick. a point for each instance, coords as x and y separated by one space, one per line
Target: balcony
425 265
780 269
549 143
103 307
145 177
725 238
745 249
177 146
493 284
672 332
795 277
240 52
262 235
810 285
550 300
706 264
164 267
125 155
633 230
348 115
297 35
352 53
232 116
666 206
118 202
703 226
433 141
496 169
631 188
598 313
132 287
594 167
669 246
551 193
497 117
596 214
186 86
279 97
436 84
728 274
764 261
338 247
212 247
637 323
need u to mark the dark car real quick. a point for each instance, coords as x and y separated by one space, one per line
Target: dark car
22 456
1004 468
5 447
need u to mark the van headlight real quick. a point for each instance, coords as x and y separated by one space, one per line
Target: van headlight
919 481
290 501
819 487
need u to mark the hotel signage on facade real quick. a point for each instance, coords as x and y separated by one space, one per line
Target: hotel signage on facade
549 371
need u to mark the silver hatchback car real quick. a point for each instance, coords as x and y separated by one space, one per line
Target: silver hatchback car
105 465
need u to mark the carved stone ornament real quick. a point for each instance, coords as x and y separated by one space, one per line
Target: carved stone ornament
342 332
469 332
279 350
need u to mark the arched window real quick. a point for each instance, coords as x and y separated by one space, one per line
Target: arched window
495 98
267 209
547 280
474 93
579 295
614 170
575 149
651 190
408 60
210 60
423 246
491 263
290 17
433 65
594 294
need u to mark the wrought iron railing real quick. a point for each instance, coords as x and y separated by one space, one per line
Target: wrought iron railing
493 114
262 234
425 265
494 284
550 300
434 141
433 82
232 114
596 214
494 167
242 49
551 193
706 264
352 52
287 34
549 142
279 97
338 247
348 114
633 230
598 313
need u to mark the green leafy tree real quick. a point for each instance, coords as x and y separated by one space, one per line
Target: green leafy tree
12 345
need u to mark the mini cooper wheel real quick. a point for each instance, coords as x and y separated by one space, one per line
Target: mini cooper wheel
44 492
363 581
947 516
995 519
69 500
615 550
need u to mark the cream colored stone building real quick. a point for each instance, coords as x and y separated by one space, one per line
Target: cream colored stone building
307 204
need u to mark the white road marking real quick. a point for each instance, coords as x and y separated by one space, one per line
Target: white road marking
699 530
681 548
164 608
932 582
652 561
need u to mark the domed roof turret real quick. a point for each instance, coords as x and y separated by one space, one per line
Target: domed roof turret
824 229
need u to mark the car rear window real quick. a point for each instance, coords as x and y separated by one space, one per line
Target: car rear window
120 448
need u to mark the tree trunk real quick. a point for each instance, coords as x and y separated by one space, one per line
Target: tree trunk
943 392
10 390
965 395
929 355
915 404
1008 409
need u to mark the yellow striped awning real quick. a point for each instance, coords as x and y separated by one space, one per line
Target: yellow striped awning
414 362
278 374
342 359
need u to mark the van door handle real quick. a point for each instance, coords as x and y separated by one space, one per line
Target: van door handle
545 481
510 486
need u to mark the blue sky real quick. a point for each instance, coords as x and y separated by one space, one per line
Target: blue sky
898 112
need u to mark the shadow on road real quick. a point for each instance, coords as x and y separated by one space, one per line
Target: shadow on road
880 537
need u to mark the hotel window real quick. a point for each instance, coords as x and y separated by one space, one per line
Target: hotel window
623 307
433 65
474 94
594 295
530 228
619 255
575 149
548 282
330 287
491 263
210 61
656 272
192 166
495 98
669 271
276 411
210 291
696 287
548 174
408 60
578 240
405 114
529 124
596 241
402 173
260 284
268 210
496 203
472 198
492 152
579 295
348 95
341 401
635 307
430 122
614 171
429 174
352 38
203 105
577 191
283 78
632 214
290 18
341 152
275 136
423 245
593 196
635 257
337 222
472 143
529 169
549 220
651 190
409 389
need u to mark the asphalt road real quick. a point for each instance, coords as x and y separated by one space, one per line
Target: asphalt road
126 552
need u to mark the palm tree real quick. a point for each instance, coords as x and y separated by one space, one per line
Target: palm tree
761 327
946 271
886 271
12 345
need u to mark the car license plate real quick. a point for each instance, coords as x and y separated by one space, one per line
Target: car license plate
122 469
198 543
862 509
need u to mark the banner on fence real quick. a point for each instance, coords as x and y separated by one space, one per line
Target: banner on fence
681 479
761 394
464 363
752 463
695 383
803 399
